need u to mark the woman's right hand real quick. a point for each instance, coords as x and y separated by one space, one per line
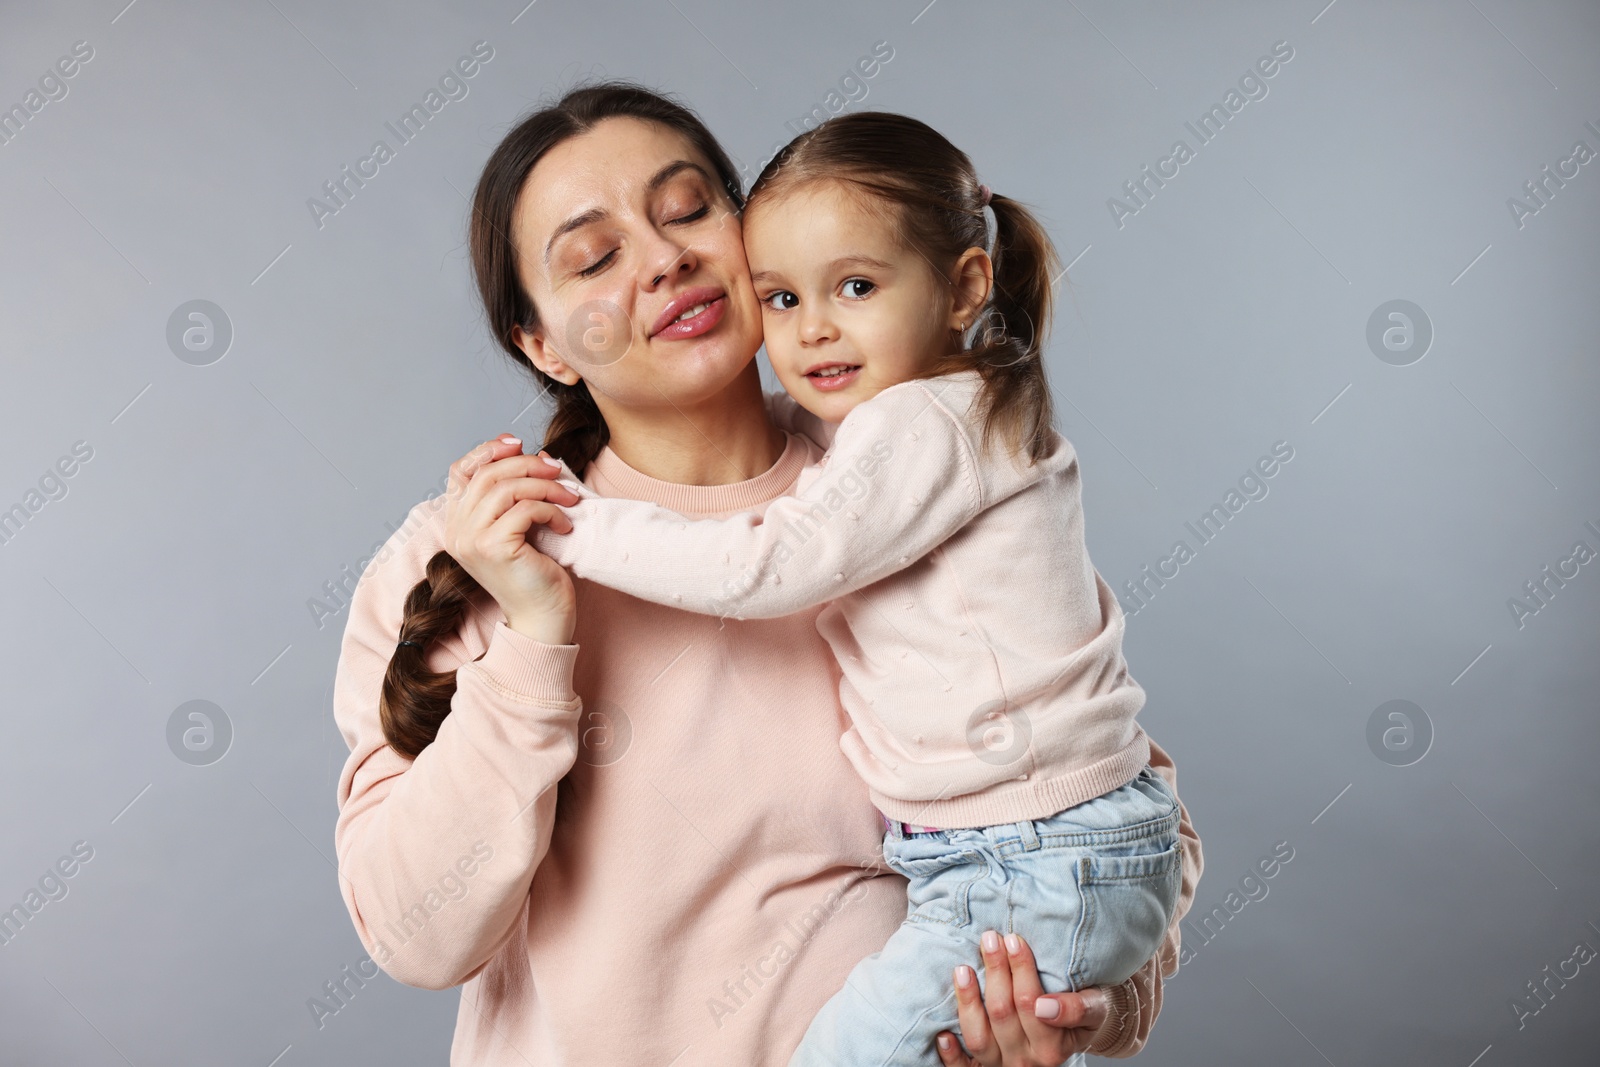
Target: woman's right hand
495 495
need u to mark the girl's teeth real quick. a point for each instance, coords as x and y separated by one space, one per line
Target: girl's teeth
832 372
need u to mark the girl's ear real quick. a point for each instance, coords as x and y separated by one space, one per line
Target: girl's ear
537 348
971 280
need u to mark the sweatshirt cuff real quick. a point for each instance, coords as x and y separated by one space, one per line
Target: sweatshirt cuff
528 670
1120 1021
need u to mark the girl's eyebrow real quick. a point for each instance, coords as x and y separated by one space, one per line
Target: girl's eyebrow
859 261
657 180
843 261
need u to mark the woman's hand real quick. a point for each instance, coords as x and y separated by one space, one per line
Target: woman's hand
1005 1027
495 495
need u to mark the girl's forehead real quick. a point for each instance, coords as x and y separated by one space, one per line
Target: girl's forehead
821 212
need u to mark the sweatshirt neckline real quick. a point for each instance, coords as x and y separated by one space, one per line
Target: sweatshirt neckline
626 481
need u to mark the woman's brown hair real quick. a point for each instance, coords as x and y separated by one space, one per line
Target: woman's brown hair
928 190
415 700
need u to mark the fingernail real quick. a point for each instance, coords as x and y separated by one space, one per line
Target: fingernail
1046 1008
963 976
991 941
1013 944
944 1042
506 438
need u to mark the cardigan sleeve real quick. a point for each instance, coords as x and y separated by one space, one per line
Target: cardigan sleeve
900 478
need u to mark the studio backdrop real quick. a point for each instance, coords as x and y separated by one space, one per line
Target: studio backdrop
1325 342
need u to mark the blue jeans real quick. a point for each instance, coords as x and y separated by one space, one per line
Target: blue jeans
1092 889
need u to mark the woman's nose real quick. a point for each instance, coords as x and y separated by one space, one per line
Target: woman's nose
665 259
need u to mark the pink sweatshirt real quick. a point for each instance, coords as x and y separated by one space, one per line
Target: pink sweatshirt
712 868
981 652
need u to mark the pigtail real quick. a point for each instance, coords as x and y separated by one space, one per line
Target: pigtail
1008 348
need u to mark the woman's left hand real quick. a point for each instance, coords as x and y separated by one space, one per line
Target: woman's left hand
1001 1025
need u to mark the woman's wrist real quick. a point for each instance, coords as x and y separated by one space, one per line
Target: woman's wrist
551 628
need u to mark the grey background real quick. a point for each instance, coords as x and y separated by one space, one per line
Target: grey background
1228 314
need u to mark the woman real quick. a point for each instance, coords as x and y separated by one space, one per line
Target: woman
712 868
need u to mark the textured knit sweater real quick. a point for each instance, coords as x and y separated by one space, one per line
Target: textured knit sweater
651 851
980 650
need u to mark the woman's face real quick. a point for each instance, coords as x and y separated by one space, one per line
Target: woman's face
630 250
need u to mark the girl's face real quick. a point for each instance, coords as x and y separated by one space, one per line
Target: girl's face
848 309
629 248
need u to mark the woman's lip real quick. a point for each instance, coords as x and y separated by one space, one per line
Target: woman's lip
697 324
838 381
703 294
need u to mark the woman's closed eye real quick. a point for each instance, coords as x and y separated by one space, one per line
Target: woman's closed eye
600 264
693 216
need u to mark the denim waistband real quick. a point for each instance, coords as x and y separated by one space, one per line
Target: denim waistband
907 827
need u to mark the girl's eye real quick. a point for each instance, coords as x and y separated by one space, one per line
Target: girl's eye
597 265
857 288
782 300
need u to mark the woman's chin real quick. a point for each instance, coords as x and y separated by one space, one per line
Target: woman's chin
686 373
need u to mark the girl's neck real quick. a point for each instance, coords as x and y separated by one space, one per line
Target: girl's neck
728 437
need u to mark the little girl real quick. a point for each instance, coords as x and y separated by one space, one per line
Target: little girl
980 651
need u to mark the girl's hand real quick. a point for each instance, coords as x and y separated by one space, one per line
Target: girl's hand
1002 1027
495 495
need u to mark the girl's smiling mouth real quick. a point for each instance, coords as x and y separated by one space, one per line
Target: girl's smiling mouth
832 376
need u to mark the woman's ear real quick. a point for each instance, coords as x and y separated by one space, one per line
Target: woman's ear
537 348
971 280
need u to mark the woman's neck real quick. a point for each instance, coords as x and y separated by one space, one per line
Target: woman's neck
728 437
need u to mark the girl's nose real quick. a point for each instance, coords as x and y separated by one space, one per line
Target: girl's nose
816 327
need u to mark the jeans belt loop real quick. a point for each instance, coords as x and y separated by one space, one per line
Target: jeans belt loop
1030 838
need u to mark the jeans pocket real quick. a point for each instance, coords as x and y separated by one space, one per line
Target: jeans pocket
1128 900
940 885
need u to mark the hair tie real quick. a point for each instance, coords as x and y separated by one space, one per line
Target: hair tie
413 644
984 194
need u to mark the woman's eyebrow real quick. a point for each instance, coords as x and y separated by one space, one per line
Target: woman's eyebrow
594 214
657 180
677 166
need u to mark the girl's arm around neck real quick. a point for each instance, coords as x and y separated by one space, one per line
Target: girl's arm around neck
900 479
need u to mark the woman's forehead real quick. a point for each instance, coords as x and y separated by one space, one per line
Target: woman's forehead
609 166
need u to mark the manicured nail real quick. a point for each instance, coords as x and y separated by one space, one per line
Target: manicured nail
944 1042
991 941
1013 944
963 976
1046 1009
507 439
